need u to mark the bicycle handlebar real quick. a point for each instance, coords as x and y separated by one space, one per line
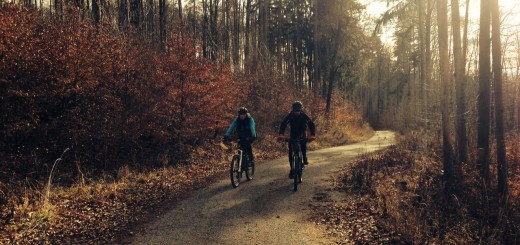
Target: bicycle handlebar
296 140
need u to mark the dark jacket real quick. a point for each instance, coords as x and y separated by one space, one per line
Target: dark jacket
298 125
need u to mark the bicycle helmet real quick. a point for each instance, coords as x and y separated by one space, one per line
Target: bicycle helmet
297 106
242 111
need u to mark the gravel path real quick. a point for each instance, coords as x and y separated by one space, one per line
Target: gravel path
262 211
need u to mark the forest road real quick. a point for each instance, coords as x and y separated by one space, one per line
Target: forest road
264 210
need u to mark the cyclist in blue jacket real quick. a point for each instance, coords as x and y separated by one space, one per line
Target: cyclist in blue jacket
299 122
245 128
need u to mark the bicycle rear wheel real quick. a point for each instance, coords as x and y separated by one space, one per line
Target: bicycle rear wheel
234 171
250 170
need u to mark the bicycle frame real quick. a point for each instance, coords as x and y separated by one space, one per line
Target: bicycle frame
297 164
238 166
240 154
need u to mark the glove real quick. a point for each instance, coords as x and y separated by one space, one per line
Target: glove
281 137
312 138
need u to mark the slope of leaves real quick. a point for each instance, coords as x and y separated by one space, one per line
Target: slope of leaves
398 196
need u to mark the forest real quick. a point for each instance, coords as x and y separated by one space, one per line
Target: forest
105 100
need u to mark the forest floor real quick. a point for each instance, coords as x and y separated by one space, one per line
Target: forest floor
392 196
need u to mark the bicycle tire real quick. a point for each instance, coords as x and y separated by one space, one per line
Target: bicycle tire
234 172
296 172
300 169
250 171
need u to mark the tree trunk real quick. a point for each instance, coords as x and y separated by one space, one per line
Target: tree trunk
226 20
499 105
442 20
332 77
150 19
428 52
248 30
484 102
422 54
96 15
236 35
333 69
205 24
194 20
465 38
162 24
179 2
460 81
123 13
135 8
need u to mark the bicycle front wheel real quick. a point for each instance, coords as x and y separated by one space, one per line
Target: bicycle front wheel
234 171
296 172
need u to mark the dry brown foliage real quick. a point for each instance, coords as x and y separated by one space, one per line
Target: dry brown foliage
399 196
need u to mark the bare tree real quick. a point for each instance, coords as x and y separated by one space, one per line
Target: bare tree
460 81
179 2
499 104
162 23
95 12
442 21
484 101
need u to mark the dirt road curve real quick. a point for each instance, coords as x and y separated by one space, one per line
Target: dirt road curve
262 211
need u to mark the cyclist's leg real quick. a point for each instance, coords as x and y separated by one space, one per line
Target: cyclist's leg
249 150
304 152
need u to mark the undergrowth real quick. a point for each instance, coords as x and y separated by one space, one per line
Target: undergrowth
101 210
407 193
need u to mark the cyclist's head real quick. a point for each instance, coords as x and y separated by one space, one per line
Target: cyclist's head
242 111
297 106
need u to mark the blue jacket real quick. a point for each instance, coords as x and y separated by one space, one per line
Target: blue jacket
245 128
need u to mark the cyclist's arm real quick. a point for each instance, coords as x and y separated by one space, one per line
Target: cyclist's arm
252 126
231 127
311 125
284 123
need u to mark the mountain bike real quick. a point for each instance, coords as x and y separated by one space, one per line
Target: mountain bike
297 163
239 164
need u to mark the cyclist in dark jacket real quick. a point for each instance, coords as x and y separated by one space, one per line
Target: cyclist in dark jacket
299 122
245 128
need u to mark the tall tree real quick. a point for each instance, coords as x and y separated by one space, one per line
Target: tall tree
460 81
499 104
179 2
315 49
123 13
150 14
247 31
95 12
484 94
442 21
135 12
162 23
236 33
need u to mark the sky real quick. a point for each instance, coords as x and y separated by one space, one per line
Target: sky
509 8
510 28
377 7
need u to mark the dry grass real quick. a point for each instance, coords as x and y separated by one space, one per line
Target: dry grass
403 189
